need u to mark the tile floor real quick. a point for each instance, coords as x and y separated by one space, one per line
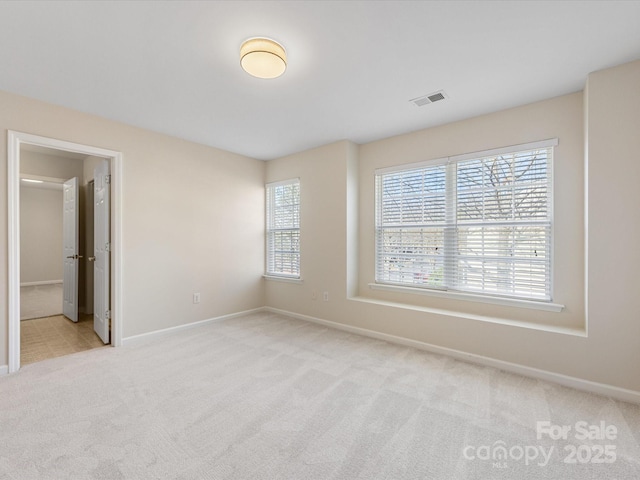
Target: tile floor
50 337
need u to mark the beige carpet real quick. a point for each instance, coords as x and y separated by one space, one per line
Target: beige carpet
38 301
268 397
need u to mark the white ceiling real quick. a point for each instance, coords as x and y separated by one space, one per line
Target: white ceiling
173 67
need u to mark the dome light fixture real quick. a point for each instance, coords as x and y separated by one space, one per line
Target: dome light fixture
263 58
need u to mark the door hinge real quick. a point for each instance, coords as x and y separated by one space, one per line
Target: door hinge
107 315
107 179
107 247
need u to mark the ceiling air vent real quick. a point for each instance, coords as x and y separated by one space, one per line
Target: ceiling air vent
427 99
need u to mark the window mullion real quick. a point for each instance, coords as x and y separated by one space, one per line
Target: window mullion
450 240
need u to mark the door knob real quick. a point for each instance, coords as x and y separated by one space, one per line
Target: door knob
91 259
74 256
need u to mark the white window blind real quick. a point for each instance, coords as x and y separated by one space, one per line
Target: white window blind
474 223
283 228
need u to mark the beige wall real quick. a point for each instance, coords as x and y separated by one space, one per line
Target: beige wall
54 166
612 119
192 218
41 217
40 234
556 342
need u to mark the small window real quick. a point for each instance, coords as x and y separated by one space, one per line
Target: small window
479 223
283 229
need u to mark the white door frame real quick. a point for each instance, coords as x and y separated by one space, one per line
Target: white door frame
15 139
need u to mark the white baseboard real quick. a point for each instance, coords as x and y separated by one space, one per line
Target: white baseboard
573 382
4 369
44 282
145 337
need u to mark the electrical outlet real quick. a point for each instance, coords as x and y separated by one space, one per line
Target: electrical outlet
196 298
325 296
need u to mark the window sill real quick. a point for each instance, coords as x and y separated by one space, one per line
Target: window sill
283 279
577 332
509 302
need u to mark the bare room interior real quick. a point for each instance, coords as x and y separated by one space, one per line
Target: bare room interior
48 328
320 240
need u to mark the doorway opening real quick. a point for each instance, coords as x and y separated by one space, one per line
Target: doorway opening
57 253
77 302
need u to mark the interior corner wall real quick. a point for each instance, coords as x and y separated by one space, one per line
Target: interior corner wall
607 352
323 230
192 215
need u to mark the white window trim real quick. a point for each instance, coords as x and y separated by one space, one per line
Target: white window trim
551 142
283 278
466 296
493 300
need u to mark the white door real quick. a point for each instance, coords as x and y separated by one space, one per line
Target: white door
101 249
70 219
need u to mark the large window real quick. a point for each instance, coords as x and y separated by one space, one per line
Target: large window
478 223
283 229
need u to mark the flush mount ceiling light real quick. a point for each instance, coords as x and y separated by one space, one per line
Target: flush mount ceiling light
263 58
